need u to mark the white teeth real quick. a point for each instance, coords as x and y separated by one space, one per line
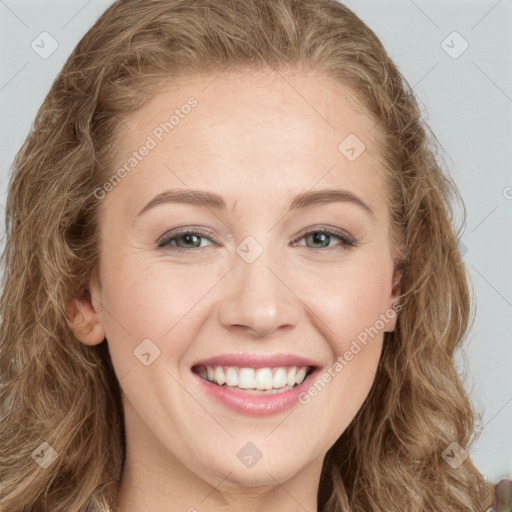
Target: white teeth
300 375
219 376
279 378
231 376
263 379
246 378
290 378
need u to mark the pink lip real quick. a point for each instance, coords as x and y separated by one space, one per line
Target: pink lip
255 405
243 360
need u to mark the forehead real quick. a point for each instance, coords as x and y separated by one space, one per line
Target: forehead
267 131
311 102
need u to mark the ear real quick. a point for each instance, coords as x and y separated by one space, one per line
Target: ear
392 312
84 319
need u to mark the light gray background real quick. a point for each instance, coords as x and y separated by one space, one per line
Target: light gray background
467 101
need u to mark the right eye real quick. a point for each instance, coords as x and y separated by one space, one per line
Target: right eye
190 239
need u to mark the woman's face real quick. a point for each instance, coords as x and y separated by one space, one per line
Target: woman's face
255 284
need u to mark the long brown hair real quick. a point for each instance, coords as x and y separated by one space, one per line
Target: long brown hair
57 390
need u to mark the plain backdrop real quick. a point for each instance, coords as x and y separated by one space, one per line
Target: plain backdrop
458 57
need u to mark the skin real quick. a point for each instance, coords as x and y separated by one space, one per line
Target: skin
257 141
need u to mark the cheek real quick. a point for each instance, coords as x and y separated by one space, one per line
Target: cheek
140 303
349 303
349 308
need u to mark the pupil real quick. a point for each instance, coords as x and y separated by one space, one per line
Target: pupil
319 238
188 238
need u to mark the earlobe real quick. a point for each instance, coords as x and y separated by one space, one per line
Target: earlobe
85 321
393 310
397 277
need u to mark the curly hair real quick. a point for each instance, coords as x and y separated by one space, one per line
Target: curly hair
57 390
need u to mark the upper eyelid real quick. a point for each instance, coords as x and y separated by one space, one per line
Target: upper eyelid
332 230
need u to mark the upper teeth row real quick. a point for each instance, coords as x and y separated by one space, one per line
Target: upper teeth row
254 378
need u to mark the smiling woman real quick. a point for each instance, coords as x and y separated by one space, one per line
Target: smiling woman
251 303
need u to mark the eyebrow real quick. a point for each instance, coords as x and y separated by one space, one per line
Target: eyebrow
207 199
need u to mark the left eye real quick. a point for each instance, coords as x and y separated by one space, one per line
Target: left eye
192 239
322 236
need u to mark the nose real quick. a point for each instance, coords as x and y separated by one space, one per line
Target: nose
259 298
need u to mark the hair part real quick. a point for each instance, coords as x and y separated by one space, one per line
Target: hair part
57 390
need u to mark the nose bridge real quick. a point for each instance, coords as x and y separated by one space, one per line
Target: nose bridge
257 298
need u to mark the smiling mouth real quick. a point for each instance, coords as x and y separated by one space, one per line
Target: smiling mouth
265 380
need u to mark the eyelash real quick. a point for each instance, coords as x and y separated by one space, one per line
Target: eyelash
346 242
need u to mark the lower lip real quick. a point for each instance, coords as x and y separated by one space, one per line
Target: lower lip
256 405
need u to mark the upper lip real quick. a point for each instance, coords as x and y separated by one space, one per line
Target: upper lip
247 360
